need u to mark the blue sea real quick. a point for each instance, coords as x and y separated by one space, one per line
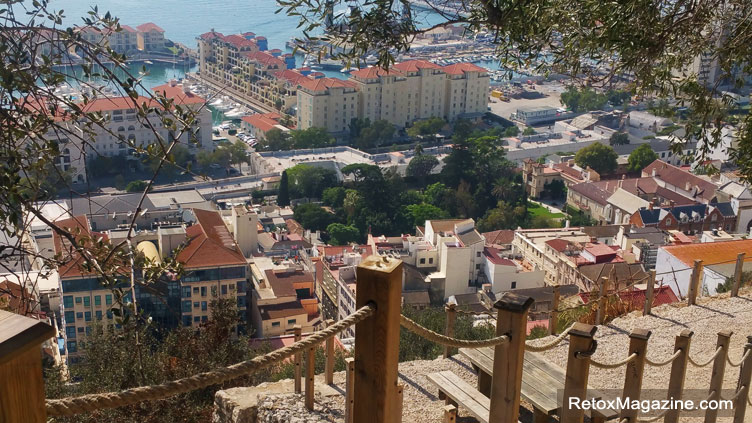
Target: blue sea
184 20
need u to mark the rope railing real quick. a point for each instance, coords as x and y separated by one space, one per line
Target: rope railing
601 365
92 402
736 394
741 360
545 347
710 360
486 313
666 362
438 338
654 418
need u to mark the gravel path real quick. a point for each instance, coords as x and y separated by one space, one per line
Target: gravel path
422 405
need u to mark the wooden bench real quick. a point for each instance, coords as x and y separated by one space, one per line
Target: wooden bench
456 391
542 383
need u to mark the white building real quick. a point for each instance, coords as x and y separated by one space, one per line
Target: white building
504 273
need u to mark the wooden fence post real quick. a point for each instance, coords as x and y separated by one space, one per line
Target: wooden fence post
450 414
694 283
581 347
553 319
678 373
649 294
716 378
21 383
508 357
745 378
298 360
400 399
329 369
600 314
451 317
310 372
738 275
638 344
379 283
349 388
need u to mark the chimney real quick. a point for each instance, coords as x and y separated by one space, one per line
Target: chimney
566 224
618 184
653 172
244 228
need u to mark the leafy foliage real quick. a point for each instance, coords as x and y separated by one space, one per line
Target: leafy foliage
641 157
598 157
307 181
421 166
424 127
283 198
619 138
313 217
340 234
583 100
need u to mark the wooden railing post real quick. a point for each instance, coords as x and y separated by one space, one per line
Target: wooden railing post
400 400
678 373
649 294
298 361
745 378
738 275
378 283
638 344
600 314
694 283
329 369
553 319
508 357
310 373
21 382
450 414
716 378
451 317
349 388
581 347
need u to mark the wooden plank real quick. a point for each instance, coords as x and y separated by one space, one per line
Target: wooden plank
349 388
17 333
309 383
451 315
745 378
716 378
638 344
298 361
379 282
694 283
578 369
738 275
329 369
462 393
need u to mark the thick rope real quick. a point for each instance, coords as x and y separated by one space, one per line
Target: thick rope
613 365
696 364
449 342
87 403
736 395
475 313
556 341
655 418
663 363
741 360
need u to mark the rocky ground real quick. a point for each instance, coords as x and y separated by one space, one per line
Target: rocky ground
421 403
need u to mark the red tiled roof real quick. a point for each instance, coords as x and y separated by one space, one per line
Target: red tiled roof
635 298
281 281
177 94
569 171
239 41
127 28
265 58
373 72
492 254
210 243
415 65
322 84
72 262
599 250
293 76
499 237
207 36
679 178
149 26
710 252
461 68
558 244
263 121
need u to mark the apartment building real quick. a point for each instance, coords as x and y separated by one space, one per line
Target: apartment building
214 267
123 131
123 41
406 92
150 38
506 273
241 63
690 219
681 181
534 246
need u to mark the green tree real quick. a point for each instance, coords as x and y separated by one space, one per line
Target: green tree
307 181
555 189
511 131
283 199
619 138
421 166
136 186
436 194
583 100
275 140
528 131
419 213
376 134
618 98
238 153
462 129
340 234
641 157
313 217
311 138
334 196
598 157
429 126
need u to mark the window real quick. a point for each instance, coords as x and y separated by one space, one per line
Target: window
195 290
203 291
72 346
241 302
87 301
79 315
203 305
87 316
70 332
196 319
81 329
224 289
68 301
275 324
422 261
99 314
109 314
70 317
78 300
204 318
477 254
186 306
97 300
477 267
108 299
430 261
187 320
514 285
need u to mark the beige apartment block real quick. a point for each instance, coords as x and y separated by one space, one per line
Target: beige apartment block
327 103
